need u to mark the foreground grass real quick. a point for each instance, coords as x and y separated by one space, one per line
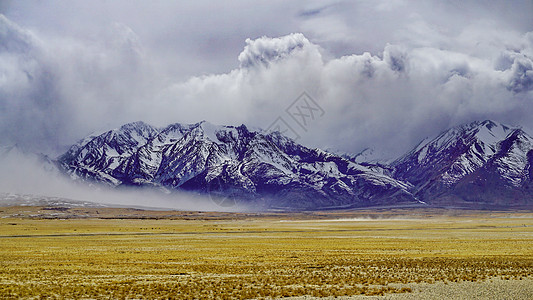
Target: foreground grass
258 257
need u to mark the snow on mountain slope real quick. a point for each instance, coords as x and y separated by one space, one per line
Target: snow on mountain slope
12 199
94 157
481 163
453 154
464 155
245 163
514 159
367 156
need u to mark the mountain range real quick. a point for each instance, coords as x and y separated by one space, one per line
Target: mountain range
477 165
231 163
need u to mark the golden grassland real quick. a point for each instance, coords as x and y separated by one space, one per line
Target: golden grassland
127 253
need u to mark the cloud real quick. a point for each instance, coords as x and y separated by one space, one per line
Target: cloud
265 50
53 90
273 71
385 76
387 100
382 100
521 74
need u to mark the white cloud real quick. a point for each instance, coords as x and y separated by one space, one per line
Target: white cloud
388 100
265 50
385 76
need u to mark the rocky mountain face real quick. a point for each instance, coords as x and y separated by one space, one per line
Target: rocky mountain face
236 162
481 163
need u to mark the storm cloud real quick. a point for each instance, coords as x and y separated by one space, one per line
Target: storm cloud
385 73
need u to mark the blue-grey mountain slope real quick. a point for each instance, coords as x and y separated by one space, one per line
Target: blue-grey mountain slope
250 165
481 164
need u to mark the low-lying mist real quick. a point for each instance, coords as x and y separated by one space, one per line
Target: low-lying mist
25 174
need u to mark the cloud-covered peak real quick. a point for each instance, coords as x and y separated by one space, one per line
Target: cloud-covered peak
265 50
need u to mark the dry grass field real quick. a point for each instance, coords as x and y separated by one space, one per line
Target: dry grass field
126 253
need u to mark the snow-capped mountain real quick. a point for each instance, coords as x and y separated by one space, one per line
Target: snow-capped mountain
226 160
95 157
366 156
481 162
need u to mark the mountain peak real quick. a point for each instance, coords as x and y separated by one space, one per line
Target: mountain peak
491 133
249 165
200 123
491 159
210 130
135 124
468 157
489 124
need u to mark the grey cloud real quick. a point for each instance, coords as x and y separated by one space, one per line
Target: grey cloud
396 57
386 76
521 75
14 38
28 89
265 50
54 90
388 100
317 10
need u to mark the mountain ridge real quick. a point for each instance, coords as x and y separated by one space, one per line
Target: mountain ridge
233 160
456 166
482 164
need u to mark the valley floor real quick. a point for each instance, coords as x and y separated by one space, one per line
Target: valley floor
60 252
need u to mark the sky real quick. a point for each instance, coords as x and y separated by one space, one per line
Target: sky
376 74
